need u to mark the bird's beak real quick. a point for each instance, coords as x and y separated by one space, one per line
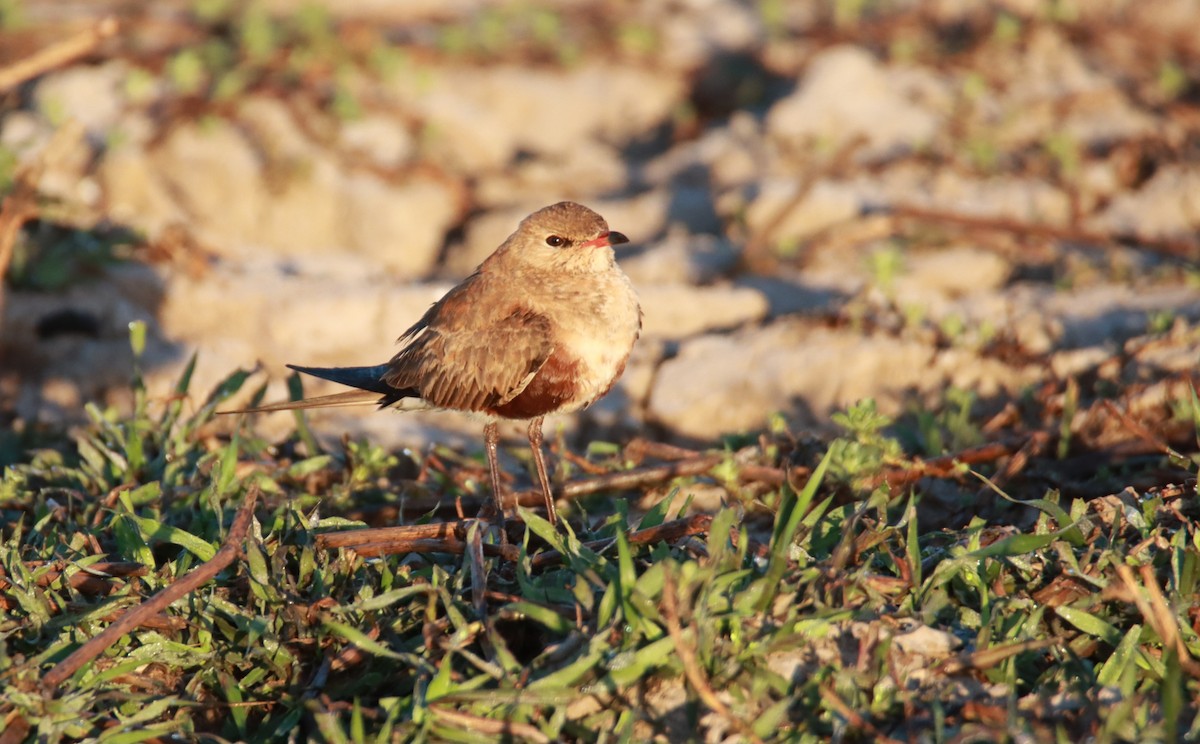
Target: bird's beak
609 238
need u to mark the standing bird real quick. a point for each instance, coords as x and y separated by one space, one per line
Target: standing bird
544 325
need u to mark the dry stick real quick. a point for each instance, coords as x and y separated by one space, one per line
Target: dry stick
1176 248
91 578
638 477
58 54
1018 462
1158 614
229 552
354 538
1141 432
479 724
691 668
371 543
478 570
946 465
451 545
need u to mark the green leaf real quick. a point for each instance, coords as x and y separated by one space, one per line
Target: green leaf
1122 657
156 530
544 616
1091 625
787 523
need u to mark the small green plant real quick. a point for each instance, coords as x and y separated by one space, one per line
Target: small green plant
885 265
1066 152
867 449
1159 322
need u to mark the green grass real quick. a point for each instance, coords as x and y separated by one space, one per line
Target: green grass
801 624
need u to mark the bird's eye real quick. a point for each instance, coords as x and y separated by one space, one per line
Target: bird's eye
555 241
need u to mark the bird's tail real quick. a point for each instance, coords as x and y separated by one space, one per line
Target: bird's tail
370 388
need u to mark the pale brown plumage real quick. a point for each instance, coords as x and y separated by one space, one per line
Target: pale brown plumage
544 325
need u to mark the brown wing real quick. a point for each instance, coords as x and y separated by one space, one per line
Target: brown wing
471 362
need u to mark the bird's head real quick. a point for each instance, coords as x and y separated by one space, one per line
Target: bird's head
565 236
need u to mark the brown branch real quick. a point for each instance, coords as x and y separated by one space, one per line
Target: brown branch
1157 613
687 655
1184 249
440 537
491 726
202 574
636 478
354 538
1140 431
945 466
57 54
450 537
1038 441
93 579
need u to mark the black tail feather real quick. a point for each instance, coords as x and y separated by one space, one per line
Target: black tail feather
362 378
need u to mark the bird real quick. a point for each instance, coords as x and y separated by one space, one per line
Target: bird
544 325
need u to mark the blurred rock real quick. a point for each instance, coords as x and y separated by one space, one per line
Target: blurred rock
825 205
1166 206
681 258
401 226
93 95
953 272
845 93
299 201
579 174
379 140
479 118
676 311
721 384
214 174
134 194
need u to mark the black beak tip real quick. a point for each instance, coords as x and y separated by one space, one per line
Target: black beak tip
616 238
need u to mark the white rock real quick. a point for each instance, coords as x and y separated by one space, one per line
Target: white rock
133 192
676 311
1168 205
706 27
382 140
478 118
954 272
927 641
402 226
682 258
845 93
215 175
93 95
827 203
729 384
580 173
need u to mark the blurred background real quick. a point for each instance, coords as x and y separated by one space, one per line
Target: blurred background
933 204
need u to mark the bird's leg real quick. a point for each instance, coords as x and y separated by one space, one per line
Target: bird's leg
491 438
535 444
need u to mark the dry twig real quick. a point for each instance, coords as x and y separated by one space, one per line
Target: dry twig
490 726
691 667
191 581
58 54
1185 249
